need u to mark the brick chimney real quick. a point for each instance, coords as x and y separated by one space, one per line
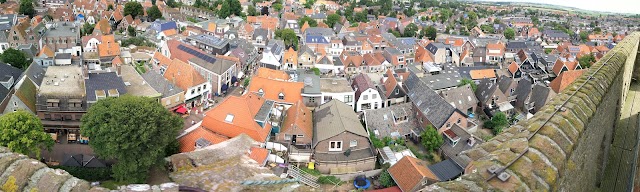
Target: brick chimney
119 69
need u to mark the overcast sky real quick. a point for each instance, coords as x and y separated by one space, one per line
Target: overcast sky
617 6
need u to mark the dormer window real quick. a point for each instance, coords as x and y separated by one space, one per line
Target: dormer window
281 96
229 118
261 91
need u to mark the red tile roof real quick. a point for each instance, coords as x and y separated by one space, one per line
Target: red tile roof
259 154
409 171
183 74
188 141
243 110
272 88
513 67
565 79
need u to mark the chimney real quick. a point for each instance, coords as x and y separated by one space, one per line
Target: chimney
119 70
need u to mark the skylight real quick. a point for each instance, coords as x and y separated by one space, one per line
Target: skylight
229 118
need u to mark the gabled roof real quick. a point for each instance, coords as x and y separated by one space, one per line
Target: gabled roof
237 115
103 81
333 118
482 73
109 46
183 74
160 84
200 134
390 84
446 170
35 73
565 79
513 67
361 83
27 94
409 171
299 116
271 89
432 105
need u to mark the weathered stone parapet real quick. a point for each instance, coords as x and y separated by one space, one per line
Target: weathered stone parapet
564 146
32 174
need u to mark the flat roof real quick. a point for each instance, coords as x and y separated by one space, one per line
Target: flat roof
332 85
63 81
135 84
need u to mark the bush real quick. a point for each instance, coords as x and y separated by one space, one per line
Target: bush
89 174
313 172
332 180
386 180
377 143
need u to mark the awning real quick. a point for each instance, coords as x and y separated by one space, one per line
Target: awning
506 106
240 75
234 79
181 110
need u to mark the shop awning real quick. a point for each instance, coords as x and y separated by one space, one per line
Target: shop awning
181 110
234 79
224 87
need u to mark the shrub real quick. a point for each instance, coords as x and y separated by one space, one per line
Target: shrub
313 172
386 180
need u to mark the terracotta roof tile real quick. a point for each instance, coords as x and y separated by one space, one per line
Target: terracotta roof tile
272 88
513 67
259 154
184 75
290 56
108 47
300 116
565 79
272 74
188 141
482 73
390 83
409 171
243 109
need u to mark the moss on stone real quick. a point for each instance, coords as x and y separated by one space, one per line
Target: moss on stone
551 152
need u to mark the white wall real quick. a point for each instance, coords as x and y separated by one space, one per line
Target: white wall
202 91
369 94
339 97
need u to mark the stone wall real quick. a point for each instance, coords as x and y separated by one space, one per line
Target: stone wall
564 147
30 174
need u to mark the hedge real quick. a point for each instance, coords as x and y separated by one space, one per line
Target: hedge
89 174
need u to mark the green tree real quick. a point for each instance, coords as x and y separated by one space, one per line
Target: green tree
133 130
410 30
289 37
154 13
445 14
587 60
312 22
26 8
134 9
277 7
509 33
497 21
470 82
487 28
316 71
361 16
386 180
309 3
430 32
15 58
498 122
22 132
225 10
251 10
172 3
110 7
246 82
583 36
597 30
430 138
3 1
235 7
10 185
87 29
131 31
332 20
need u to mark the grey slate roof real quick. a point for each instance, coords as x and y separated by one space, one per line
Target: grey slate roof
260 32
461 97
516 45
522 91
319 31
36 73
218 67
455 152
446 170
3 93
160 84
8 70
504 83
103 81
485 90
383 121
333 118
540 95
361 83
434 107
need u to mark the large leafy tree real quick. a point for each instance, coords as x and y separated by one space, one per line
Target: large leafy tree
135 131
386 180
332 20
430 32
154 13
22 132
498 122
134 9
587 60
26 8
289 37
312 22
509 33
411 30
430 138
15 58
251 10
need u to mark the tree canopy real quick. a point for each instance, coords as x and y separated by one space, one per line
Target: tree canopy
289 37
251 11
15 58
309 3
431 140
133 130
154 13
587 60
509 33
498 122
332 20
22 132
429 32
410 30
134 9
26 8
312 22
229 7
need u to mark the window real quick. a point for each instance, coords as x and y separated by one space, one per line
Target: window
300 136
397 91
448 124
178 99
168 102
365 97
335 146
348 98
15 104
229 118
353 143
204 86
281 96
193 91
287 137
459 120
375 96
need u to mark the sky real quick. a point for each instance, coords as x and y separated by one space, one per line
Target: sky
616 6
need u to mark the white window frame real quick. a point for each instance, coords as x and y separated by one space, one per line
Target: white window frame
336 144
353 143
287 137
